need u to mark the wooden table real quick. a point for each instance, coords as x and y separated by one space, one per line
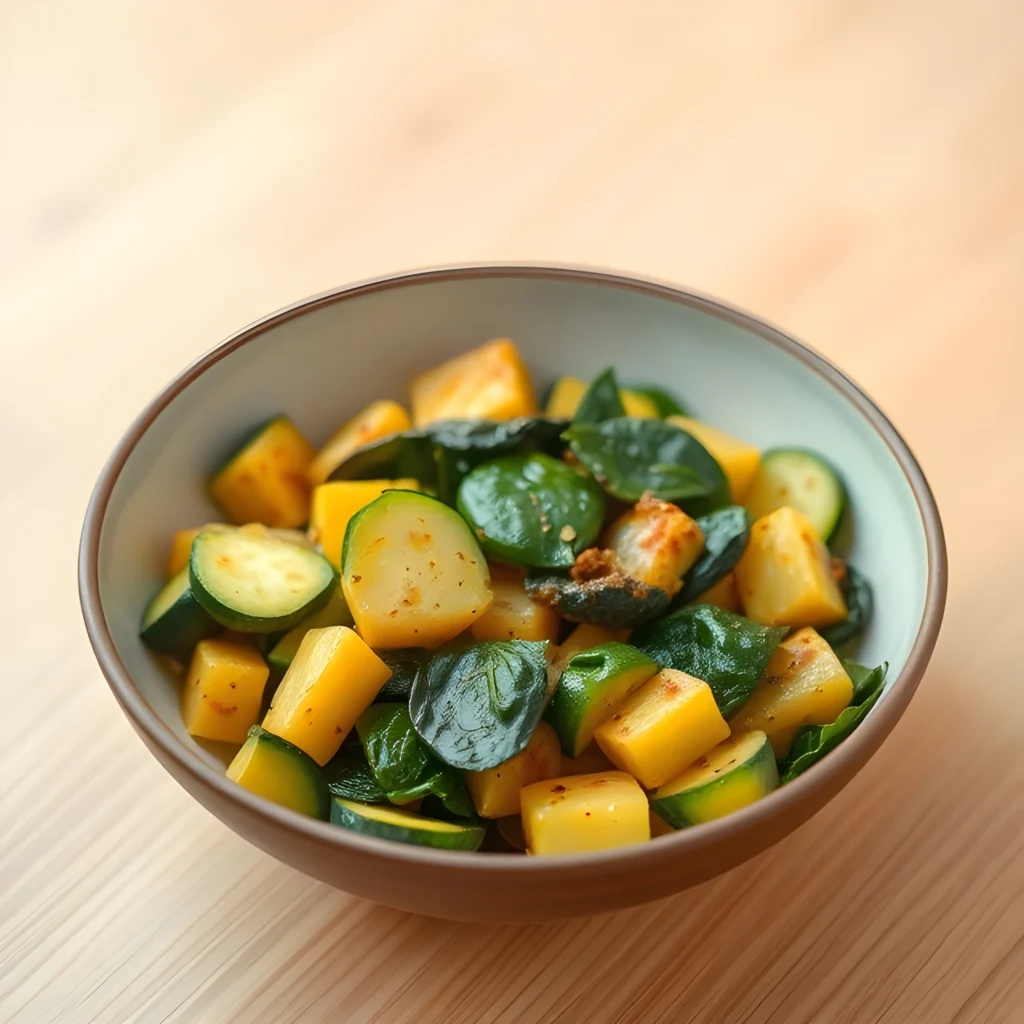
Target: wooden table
173 169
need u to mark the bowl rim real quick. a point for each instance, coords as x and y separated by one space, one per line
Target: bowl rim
832 772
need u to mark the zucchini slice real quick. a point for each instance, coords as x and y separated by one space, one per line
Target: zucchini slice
732 775
402 826
802 480
257 584
277 770
412 572
591 688
174 621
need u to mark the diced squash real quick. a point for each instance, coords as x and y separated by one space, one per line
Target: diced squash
335 503
223 690
739 460
724 594
412 572
331 681
568 392
488 383
804 684
495 791
265 481
785 575
377 420
512 615
581 813
181 546
655 542
663 727
334 613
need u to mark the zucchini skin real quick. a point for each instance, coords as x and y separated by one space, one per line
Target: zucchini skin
181 627
468 837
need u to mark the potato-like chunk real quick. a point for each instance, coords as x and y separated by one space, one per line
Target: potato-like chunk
495 791
655 542
513 614
785 575
739 460
223 690
377 420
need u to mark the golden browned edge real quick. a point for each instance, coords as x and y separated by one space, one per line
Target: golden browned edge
829 773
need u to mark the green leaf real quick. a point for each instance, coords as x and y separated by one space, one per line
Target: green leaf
478 706
729 652
532 509
404 766
406 666
601 401
631 456
812 742
406 455
616 601
860 604
350 776
726 533
666 403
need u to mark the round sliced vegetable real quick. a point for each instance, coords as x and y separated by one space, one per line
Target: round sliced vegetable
802 480
730 776
412 572
591 687
402 826
726 533
860 604
532 509
257 584
174 621
277 770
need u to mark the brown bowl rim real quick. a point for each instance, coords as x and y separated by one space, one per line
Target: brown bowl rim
832 772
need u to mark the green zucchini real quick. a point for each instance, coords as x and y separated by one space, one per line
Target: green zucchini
730 776
800 479
277 770
174 621
257 584
859 605
334 613
386 822
591 687
615 601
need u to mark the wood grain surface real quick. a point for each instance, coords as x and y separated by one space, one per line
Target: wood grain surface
173 169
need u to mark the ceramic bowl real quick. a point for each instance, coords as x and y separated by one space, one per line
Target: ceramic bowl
321 360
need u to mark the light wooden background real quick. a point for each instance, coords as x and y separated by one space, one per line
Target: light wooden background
172 169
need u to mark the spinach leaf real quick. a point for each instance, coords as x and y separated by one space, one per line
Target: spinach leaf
860 604
532 509
812 742
729 652
409 454
726 533
404 766
616 601
406 666
478 706
601 401
666 403
350 776
630 456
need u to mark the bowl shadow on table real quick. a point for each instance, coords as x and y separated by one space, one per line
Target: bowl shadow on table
811 885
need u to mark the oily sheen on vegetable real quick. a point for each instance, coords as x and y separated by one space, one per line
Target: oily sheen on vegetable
467 625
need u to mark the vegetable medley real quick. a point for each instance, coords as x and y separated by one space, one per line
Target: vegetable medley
479 623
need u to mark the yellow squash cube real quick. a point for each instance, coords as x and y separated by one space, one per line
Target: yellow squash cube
724 594
581 813
265 482
785 575
223 690
568 392
739 460
377 420
331 681
495 791
489 383
512 615
655 542
804 684
662 728
335 503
